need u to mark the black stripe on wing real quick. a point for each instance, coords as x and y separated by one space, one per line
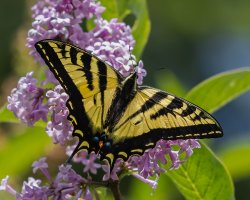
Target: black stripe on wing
86 61
72 54
146 106
149 140
75 98
175 104
102 70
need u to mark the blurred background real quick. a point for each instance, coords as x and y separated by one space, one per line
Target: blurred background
189 42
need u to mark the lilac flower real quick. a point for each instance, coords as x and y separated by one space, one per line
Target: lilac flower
32 189
188 146
153 184
115 54
87 195
4 183
111 40
41 165
90 165
148 165
141 72
64 6
112 31
60 18
59 127
113 174
67 183
87 9
5 186
50 78
26 101
66 173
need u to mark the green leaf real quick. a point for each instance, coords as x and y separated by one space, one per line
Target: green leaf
20 150
123 8
173 85
102 192
141 27
6 196
203 177
7 116
218 90
111 10
234 156
165 190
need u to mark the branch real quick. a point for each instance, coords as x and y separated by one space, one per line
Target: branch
114 186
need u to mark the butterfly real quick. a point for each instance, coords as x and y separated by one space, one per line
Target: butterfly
112 115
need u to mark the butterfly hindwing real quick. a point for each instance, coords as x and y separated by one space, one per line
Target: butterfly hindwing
90 83
153 115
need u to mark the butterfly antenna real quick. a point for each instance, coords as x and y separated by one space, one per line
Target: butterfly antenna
162 68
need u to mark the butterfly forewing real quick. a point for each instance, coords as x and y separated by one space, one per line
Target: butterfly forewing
90 83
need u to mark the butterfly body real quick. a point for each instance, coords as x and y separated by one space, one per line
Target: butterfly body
112 115
125 93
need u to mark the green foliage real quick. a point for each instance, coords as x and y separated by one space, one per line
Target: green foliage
165 190
6 196
235 157
203 176
194 17
124 8
218 90
20 150
172 85
7 116
111 10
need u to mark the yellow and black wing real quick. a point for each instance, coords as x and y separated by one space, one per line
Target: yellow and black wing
112 115
90 83
153 115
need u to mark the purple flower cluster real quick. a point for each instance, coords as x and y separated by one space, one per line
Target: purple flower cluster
112 42
26 101
148 165
66 184
60 19
59 127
